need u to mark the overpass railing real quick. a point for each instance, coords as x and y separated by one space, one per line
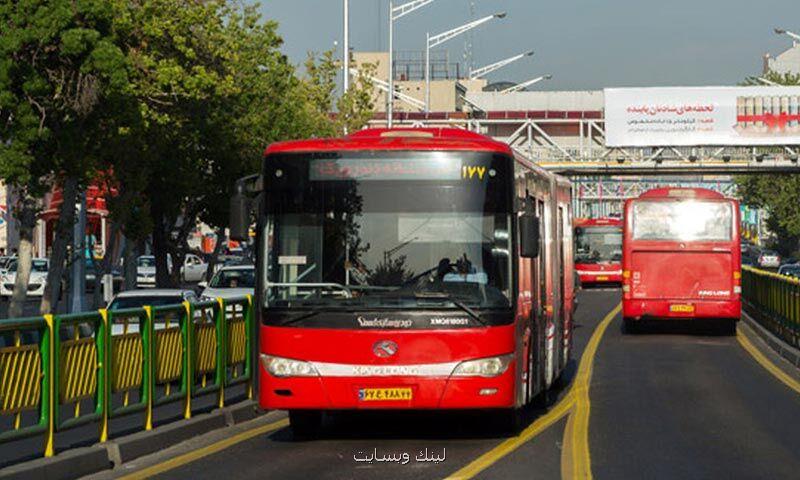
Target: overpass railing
61 371
774 301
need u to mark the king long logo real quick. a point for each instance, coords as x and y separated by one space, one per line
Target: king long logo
384 348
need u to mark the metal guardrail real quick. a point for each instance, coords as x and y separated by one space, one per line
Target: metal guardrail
55 366
774 301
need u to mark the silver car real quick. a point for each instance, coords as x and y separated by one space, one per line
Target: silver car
154 297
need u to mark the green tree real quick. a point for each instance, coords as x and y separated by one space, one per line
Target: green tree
58 59
777 194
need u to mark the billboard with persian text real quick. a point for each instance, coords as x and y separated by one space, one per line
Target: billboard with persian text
697 116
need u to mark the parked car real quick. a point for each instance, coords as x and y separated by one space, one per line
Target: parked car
193 269
769 259
230 282
153 297
792 270
36 282
4 262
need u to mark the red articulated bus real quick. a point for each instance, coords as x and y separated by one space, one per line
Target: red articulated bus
598 251
409 269
681 257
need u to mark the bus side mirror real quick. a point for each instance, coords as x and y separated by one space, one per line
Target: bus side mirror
239 223
529 235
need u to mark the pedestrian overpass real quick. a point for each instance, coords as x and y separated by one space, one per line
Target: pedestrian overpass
567 131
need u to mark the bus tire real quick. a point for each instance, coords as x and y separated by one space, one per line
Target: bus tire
728 327
306 424
631 326
512 420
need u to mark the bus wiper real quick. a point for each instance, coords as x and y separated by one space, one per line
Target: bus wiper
458 303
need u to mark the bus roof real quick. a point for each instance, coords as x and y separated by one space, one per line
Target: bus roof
598 222
680 192
396 139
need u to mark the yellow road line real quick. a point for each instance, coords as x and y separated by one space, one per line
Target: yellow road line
205 451
511 444
575 459
767 363
558 412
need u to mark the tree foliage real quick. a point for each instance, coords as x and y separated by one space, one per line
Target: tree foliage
58 61
166 102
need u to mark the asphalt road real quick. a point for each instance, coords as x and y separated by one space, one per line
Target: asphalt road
674 403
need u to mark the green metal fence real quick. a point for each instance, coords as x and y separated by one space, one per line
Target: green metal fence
61 371
774 301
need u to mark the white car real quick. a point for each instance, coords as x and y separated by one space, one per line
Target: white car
193 269
36 282
153 297
230 282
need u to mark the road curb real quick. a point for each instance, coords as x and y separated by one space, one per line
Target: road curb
70 464
78 462
786 351
144 443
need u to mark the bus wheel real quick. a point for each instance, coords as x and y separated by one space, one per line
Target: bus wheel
728 326
305 424
631 326
512 420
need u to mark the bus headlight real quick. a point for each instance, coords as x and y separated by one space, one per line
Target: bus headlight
286 367
484 367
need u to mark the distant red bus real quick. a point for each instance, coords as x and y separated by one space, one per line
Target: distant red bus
598 251
409 269
681 256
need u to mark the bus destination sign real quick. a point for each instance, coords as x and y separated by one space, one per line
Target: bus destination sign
386 169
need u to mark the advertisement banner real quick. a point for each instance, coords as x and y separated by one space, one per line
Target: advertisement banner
698 116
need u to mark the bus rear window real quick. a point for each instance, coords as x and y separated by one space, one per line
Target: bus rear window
685 220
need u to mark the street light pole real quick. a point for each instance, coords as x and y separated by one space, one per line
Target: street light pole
427 72
395 13
520 86
795 37
433 41
390 93
346 56
480 72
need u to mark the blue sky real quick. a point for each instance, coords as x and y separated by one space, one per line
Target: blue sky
585 44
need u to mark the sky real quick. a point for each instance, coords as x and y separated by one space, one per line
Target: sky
584 44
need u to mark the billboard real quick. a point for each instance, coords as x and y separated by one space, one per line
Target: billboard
689 116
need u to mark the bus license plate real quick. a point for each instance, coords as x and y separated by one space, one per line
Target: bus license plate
602 278
384 394
681 308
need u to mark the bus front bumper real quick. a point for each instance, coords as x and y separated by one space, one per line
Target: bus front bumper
391 392
681 309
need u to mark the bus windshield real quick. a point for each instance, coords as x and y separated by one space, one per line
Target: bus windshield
684 220
598 244
416 230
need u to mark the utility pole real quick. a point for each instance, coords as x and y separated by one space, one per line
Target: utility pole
77 285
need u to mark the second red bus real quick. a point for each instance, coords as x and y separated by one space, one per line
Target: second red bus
681 257
598 251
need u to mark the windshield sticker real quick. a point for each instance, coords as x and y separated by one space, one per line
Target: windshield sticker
292 260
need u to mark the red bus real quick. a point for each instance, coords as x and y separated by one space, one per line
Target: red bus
681 257
598 250
408 269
